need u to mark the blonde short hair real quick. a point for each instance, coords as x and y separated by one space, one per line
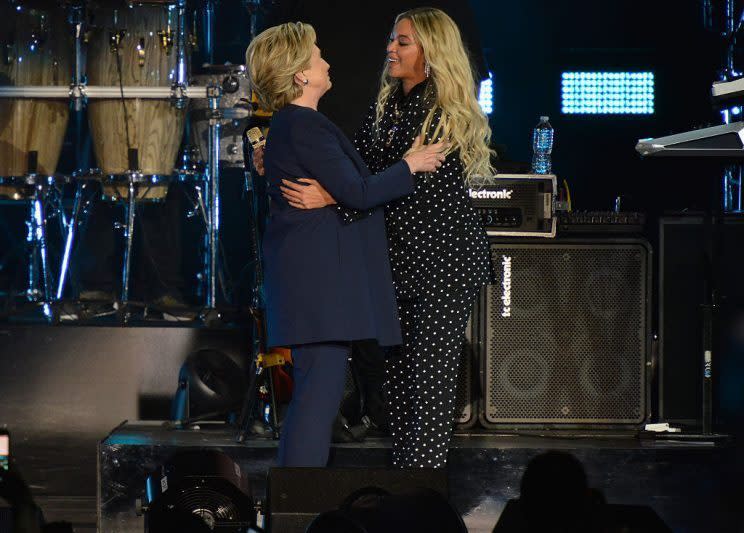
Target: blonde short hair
274 57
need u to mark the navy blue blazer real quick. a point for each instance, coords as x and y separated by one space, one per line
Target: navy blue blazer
326 280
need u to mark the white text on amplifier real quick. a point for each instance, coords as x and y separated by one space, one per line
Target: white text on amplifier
506 263
503 194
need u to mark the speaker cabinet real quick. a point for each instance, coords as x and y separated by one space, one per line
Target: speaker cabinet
565 333
682 275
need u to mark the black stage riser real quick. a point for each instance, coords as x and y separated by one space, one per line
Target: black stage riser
692 487
297 495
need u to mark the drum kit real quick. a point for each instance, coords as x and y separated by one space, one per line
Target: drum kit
129 65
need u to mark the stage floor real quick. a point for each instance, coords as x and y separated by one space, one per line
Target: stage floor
694 486
62 389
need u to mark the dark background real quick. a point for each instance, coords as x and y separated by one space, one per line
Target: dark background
62 389
526 45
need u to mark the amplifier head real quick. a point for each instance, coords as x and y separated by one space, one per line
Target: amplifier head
516 204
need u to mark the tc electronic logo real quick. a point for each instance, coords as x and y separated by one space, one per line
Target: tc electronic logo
506 264
503 194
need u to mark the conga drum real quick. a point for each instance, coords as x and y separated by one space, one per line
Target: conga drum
134 45
36 48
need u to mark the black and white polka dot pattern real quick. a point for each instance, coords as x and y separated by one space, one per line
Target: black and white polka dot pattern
421 376
435 237
439 256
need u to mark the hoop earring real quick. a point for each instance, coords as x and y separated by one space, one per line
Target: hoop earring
427 69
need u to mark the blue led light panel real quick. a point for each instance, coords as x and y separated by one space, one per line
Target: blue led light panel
485 95
607 93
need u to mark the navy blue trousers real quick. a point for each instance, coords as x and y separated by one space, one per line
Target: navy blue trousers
319 379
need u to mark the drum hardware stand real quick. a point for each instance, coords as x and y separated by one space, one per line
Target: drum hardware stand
79 93
77 99
178 95
199 208
86 92
39 279
128 226
36 238
210 314
181 66
77 87
71 227
208 31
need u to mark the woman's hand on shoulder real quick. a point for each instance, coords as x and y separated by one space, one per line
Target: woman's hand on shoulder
311 195
427 158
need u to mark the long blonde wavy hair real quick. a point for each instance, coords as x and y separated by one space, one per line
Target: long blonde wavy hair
462 121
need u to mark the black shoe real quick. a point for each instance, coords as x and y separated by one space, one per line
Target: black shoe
374 430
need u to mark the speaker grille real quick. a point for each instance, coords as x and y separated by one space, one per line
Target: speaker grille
566 334
464 412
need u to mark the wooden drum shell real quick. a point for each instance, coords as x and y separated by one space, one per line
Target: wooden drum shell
29 124
155 126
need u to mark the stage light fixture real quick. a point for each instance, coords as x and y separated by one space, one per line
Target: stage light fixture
211 383
199 490
607 93
485 95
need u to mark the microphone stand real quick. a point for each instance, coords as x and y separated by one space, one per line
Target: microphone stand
260 369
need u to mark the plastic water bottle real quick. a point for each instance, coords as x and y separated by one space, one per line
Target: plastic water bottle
542 146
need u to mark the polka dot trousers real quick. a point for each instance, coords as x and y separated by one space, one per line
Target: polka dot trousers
421 376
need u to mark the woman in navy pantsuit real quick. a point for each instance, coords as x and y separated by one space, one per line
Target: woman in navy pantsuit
438 248
327 282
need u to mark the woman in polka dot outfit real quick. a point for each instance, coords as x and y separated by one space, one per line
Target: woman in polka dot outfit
438 248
